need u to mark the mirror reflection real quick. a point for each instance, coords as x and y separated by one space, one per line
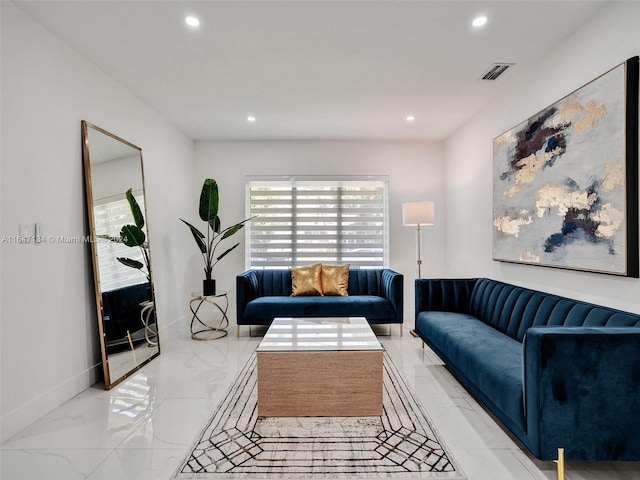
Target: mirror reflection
120 250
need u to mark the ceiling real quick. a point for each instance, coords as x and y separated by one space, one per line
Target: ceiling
312 69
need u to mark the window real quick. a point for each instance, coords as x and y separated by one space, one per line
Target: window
110 216
307 220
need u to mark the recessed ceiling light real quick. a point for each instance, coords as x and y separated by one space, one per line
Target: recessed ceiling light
251 118
411 118
479 21
192 21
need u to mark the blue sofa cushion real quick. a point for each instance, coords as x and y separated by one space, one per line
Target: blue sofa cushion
491 361
513 310
444 295
273 282
263 310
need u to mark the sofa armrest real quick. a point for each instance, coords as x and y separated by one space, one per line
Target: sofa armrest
582 392
393 290
443 294
247 289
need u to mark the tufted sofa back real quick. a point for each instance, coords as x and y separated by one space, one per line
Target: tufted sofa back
512 309
278 282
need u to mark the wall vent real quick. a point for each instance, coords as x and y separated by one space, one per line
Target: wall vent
495 70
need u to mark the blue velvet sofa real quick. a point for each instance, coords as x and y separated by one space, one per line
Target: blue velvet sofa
556 372
262 295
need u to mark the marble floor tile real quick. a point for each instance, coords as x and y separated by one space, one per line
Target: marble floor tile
139 464
50 464
143 428
173 425
493 464
100 422
461 427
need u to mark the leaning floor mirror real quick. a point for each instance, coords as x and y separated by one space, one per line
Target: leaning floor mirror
127 323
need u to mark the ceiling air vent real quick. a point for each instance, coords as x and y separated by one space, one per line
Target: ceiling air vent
496 70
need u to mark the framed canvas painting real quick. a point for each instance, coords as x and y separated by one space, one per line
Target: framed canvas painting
565 190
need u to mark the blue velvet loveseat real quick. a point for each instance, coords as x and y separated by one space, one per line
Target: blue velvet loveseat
122 323
262 295
556 372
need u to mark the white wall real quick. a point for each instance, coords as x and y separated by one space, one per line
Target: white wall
415 173
48 327
604 42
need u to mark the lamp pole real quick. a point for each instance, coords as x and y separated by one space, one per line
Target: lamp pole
418 213
418 231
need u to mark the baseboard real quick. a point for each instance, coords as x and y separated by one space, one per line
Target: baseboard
23 416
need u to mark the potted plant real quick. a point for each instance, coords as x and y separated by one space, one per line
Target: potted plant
132 235
208 244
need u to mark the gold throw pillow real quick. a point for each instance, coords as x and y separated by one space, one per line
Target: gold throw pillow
335 279
306 280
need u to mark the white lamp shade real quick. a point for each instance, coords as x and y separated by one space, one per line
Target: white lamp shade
418 213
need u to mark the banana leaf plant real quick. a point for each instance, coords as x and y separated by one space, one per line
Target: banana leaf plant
132 235
208 244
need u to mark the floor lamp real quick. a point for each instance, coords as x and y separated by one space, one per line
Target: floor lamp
418 214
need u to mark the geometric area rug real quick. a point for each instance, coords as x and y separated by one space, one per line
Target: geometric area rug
401 443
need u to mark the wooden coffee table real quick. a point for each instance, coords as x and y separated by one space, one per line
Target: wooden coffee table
319 367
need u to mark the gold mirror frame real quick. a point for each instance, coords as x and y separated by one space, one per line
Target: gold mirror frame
125 301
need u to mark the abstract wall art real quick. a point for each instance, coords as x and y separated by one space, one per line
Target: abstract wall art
566 181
